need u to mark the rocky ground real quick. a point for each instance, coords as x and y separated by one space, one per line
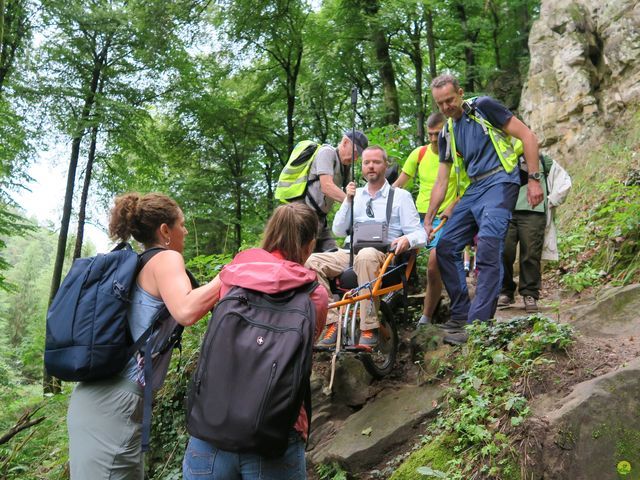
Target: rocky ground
370 426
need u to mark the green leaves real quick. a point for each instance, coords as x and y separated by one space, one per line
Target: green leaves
487 399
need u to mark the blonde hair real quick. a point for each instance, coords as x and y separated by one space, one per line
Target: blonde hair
290 229
139 216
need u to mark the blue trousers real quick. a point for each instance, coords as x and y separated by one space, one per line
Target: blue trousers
203 461
487 214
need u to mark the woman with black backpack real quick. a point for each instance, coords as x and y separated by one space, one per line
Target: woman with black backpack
249 403
105 416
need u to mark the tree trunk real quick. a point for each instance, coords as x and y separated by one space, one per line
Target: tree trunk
238 219
385 65
51 384
2 7
495 33
13 29
387 76
431 48
82 210
292 81
470 38
418 65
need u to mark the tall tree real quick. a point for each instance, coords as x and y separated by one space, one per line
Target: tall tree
380 41
274 29
15 32
117 44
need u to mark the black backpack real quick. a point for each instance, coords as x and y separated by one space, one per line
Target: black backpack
253 373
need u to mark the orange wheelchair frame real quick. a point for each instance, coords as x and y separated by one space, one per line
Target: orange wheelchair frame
380 360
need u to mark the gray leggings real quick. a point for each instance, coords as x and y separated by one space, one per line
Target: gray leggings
104 422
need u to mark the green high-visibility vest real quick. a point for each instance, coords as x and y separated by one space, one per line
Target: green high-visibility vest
294 177
507 148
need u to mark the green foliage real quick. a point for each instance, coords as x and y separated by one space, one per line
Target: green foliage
487 399
205 267
602 215
396 141
40 451
23 309
331 471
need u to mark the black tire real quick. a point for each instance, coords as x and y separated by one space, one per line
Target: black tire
381 361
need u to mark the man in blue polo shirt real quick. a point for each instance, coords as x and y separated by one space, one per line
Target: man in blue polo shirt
476 139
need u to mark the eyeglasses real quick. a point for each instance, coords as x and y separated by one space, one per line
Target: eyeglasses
369 210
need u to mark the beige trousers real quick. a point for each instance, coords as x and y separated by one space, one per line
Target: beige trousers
366 265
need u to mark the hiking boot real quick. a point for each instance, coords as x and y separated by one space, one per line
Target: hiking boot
330 336
505 300
452 325
530 304
456 338
368 338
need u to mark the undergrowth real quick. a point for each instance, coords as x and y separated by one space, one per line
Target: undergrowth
487 400
600 223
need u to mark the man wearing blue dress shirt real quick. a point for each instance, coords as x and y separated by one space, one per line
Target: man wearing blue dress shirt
404 232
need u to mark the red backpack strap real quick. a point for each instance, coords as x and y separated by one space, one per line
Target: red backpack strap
422 152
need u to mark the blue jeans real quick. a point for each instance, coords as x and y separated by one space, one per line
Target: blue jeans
486 213
204 461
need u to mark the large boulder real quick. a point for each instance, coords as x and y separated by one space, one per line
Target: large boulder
584 70
614 313
593 433
368 435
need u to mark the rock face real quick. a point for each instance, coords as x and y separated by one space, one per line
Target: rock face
366 436
615 313
595 432
584 71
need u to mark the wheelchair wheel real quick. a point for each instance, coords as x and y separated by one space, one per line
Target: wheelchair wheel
381 360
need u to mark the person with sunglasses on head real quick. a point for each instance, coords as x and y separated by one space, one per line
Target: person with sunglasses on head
424 161
375 202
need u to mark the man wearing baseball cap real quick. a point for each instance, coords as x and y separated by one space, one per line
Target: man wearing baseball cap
328 175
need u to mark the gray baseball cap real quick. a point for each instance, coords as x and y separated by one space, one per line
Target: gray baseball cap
359 139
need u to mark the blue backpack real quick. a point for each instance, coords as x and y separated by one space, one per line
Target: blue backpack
88 334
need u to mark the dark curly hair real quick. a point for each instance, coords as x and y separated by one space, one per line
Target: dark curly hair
139 216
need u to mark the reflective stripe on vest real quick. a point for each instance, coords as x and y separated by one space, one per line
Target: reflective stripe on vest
462 179
293 179
506 147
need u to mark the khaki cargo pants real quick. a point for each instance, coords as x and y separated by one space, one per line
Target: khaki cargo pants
366 265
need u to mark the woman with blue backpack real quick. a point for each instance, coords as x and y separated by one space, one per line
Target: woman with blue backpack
248 411
105 416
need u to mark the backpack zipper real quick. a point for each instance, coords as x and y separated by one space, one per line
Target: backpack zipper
265 395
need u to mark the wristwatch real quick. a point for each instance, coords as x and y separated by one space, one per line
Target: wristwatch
537 176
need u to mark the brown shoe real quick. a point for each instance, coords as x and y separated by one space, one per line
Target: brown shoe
505 300
530 304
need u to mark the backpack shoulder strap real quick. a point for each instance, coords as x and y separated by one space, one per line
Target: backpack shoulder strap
174 339
147 255
392 192
422 152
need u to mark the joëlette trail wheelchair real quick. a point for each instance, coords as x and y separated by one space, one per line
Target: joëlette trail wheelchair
389 291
